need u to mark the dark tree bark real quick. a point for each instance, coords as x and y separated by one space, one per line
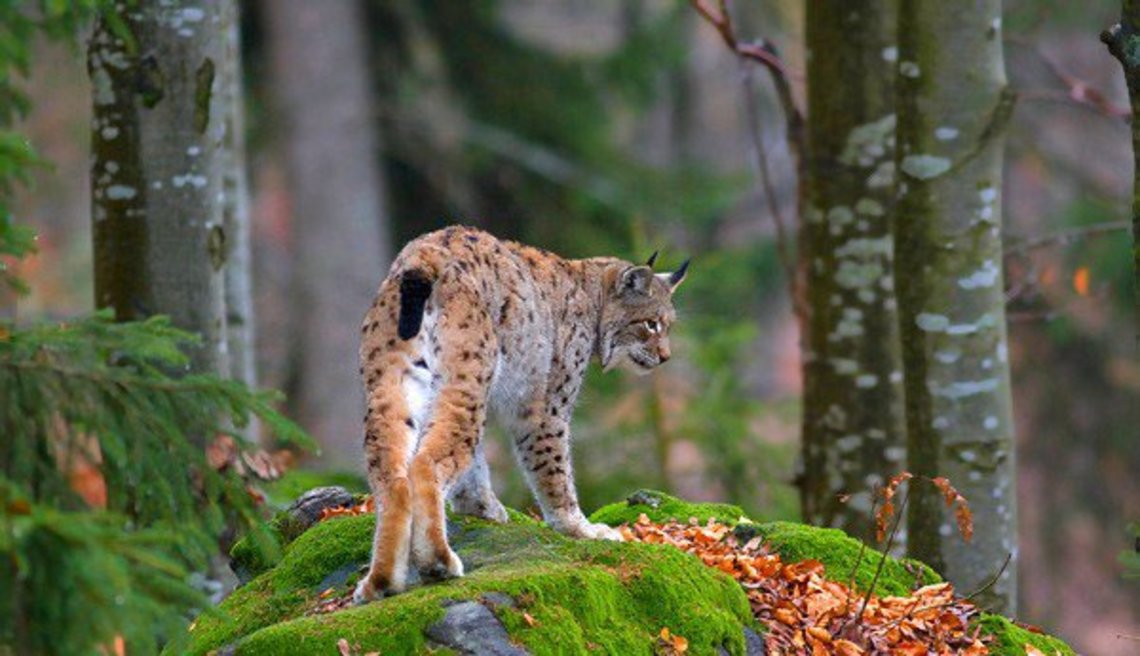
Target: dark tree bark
338 200
953 104
1123 41
158 133
852 415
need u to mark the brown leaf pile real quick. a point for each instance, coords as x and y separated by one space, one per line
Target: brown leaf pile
807 614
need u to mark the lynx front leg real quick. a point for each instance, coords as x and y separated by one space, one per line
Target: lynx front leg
472 494
542 445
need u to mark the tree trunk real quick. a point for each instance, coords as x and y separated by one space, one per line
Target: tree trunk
953 104
1123 41
852 416
338 201
235 210
157 140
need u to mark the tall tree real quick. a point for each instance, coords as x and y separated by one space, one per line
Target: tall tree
338 200
235 208
852 412
953 103
157 139
1123 41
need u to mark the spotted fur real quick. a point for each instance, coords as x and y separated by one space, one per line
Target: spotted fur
465 323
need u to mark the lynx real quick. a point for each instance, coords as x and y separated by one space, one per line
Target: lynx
464 323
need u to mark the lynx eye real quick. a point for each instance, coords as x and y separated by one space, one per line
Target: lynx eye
652 326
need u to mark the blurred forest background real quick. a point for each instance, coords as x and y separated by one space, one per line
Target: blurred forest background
618 127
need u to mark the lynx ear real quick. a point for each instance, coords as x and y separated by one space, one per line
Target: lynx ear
652 259
675 279
635 280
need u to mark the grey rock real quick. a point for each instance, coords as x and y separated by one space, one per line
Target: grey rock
469 627
754 645
306 510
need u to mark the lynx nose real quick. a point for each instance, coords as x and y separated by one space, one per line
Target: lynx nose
663 353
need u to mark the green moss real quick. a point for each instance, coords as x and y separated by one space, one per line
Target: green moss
661 507
844 558
1010 639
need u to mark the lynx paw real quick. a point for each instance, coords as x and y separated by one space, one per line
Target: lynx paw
369 590
442 568
590 531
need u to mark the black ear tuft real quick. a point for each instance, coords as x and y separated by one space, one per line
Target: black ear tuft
678 276
652 259
635 280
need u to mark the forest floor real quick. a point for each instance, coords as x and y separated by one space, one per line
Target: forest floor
795 589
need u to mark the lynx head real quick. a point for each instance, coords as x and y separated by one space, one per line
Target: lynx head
637 311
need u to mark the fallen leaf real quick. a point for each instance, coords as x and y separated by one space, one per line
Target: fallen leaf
342 647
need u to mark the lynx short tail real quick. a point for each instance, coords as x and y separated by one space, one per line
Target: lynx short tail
415 288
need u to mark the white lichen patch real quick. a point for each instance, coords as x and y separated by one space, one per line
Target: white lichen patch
848 443
894 453
925 167
858 275
946 133
121 192
196 181
964 388
890 54
866 248
868 142
909 69
948 356
882 177
990 423
987 195
109 133
866 381
983 278
932 323
869 207
940 423
896 377
844 366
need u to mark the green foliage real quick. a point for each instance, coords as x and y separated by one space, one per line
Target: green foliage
97 398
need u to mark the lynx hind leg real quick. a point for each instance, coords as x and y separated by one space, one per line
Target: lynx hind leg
472 494
467 351
389 442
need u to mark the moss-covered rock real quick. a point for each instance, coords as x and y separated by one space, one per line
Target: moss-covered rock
661 507
567 595
1010 639
550 593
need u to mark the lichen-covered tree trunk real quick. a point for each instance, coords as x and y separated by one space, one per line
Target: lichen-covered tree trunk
852 417
338 201
953 103
157 138
235 209
1123 41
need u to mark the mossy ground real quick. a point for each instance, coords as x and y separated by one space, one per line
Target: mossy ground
577 593
570 596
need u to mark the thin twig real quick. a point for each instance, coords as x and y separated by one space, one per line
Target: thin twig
1078 91
1065 237
764 53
